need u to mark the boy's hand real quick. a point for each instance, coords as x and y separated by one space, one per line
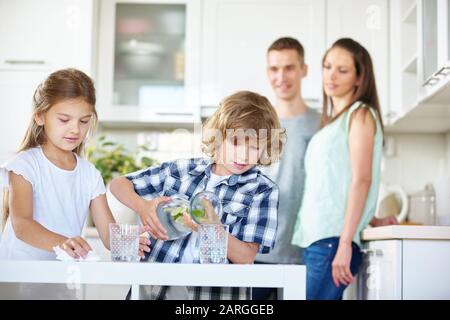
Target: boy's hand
211 215
76 247
144 241
187 220
147 213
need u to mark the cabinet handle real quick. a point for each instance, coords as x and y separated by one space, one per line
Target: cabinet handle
390 114
370 252
27 62
442 73
431 81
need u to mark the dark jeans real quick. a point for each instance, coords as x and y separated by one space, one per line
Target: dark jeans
318 258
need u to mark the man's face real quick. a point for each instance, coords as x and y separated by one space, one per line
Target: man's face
285 72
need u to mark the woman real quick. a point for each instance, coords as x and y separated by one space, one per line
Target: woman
342 166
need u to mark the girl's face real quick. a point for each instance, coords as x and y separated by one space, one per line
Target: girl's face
237 155
66 123
339 74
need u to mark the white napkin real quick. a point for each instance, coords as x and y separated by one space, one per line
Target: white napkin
64 256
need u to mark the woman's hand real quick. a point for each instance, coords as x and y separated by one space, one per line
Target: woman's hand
147 213
76 247
341 265
387 221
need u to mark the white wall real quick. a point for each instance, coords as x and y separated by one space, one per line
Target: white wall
418 159
164 145
447 138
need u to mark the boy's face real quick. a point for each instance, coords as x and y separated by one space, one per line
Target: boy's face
285 72
237 154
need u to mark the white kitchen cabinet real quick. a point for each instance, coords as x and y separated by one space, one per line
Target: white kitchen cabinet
407 265
38 37
403 59
16 92
420 68
236 35
365 21
46 34
149 61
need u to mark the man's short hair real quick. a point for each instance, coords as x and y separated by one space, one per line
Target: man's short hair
288 43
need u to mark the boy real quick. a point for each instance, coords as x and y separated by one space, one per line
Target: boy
242 133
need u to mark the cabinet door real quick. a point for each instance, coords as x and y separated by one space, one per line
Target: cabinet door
380 274
148 59
16 91
426 269
46 34
365 21
236 36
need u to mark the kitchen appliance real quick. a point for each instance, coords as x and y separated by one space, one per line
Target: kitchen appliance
392 201
423 207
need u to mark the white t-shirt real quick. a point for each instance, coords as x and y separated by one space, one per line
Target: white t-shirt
61 199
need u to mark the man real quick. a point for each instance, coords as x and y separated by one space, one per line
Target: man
286 69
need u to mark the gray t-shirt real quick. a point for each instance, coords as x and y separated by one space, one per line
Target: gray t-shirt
289 175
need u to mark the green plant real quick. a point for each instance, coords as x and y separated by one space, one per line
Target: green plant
113 159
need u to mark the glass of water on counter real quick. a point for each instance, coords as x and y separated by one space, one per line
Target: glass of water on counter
213 242
124 242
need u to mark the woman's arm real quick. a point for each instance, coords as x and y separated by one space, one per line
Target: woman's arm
30 231
361 143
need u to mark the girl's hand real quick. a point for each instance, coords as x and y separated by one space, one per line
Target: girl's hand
341 265
147 213
76 247
189 222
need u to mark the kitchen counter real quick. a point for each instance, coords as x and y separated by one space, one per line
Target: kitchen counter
291 278
406 232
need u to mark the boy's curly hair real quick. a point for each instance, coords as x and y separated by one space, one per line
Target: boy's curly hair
250 112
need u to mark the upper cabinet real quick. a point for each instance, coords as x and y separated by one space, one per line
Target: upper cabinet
236 35
365 21
38 37
148 61
46 34
420 68
434 68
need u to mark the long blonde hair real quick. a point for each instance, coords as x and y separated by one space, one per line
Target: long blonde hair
60 85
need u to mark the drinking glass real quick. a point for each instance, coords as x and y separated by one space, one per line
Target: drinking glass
124 242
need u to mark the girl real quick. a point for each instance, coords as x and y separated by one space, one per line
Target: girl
342 166
51 188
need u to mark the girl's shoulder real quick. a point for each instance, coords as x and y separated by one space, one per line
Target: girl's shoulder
24 163
27 157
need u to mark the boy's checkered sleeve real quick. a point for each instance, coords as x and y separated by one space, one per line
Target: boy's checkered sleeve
149 182
261 226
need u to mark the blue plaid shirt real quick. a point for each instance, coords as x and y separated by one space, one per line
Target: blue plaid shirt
249 201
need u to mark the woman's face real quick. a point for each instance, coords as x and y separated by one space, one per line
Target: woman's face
339 74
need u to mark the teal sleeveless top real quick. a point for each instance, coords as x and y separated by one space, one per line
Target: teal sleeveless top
328 177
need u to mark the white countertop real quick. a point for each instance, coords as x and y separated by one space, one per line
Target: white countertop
291 278
407 232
